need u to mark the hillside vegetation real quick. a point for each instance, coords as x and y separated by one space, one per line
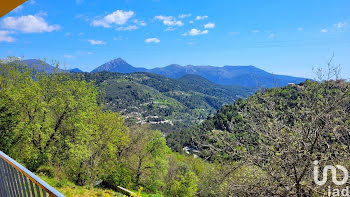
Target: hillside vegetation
60 126
275 136
56 126
164 103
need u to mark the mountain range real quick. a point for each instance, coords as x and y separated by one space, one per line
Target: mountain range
42 66
174 96
247 76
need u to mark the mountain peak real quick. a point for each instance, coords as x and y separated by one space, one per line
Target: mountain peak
118 65
119 61
248 76
75 70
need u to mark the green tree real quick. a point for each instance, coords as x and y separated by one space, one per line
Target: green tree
185 183
9 118
54 120
146 158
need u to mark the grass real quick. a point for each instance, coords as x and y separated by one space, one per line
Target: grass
69 189
151 195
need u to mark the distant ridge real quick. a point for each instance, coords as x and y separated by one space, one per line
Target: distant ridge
38 65
75 70
247 76
42 66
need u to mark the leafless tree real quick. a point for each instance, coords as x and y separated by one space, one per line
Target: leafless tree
288 128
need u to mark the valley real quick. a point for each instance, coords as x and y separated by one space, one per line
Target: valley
173 97
164 103
162 98
183 136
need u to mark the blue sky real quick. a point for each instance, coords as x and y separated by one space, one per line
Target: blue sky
284 37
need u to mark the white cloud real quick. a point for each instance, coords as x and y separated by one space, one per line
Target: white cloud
117 38
195 32
67 34
201 17
324 30
127 28
32 2
272 35
300 29
97 42
184 15
169 29
169 20
29 24
78 2
41 13
255 31
82 17
118 17
140 22
150 40
18 9
209 26
340 25
68 56
90 53
4 36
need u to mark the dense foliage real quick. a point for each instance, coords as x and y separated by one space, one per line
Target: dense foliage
166 104
275 135
54 125
60 125
55 121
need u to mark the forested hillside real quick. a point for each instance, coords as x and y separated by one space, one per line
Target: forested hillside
56 126
61 127
164 103
274 137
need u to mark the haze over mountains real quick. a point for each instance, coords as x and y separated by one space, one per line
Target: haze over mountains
248 76
43 66
39 65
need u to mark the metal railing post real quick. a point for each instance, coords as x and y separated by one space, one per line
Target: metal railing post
14 180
